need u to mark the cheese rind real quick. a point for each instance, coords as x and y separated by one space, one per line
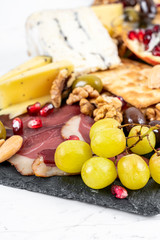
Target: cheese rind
32 63
31 84
76 35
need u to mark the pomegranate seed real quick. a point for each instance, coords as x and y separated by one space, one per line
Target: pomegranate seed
132 35
156 51
46 110
73 137
140 35
35 123
147 36
148 32
34 109
146 39
119 191
17 125
156 28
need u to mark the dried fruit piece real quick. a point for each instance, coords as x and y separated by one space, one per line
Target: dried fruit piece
34 109
17 126
73 137
35 123
46 110
119 192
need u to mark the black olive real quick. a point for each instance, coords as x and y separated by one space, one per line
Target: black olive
133 115
129 3
148 10
157 132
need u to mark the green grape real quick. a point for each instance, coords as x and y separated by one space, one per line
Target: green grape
71 154
108 143
154 166
89 79
98 172
142 147
102 125
133 171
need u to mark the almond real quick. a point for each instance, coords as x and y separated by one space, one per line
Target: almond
10 147
1 142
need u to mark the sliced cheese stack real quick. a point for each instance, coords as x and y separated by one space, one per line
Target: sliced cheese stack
33 63
28 87
76 35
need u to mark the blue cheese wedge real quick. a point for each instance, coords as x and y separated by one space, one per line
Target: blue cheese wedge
76 35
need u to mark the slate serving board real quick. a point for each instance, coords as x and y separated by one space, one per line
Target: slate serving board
144 202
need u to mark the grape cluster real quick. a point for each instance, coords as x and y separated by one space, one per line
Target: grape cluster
107 141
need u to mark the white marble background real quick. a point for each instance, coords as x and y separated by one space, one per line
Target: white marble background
31 216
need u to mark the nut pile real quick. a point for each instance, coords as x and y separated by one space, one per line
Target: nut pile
96 105
153 113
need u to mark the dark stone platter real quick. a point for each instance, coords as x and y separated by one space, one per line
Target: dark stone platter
144 202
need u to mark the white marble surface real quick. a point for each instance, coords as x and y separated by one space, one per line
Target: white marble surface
26 215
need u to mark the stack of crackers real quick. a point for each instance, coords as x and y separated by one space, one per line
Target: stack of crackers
130 81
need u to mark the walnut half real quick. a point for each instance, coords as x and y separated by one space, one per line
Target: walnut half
57 88
86 107
153 113
80 93
110 107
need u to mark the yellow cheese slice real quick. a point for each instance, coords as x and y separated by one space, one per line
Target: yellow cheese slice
31 84
33 63
21 108
109 14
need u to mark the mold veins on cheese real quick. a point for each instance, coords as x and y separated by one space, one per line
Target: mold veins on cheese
76 35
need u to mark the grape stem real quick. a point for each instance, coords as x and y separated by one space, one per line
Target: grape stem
158 153
142 136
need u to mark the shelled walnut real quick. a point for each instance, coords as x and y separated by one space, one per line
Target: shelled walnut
110 107
82 93
96 105
153 113
86 107
57 88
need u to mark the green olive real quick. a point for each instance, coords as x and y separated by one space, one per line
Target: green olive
131 15
2 131
89 79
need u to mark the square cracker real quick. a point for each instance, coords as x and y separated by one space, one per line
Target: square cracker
130 81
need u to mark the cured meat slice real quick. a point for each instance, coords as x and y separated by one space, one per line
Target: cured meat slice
36 140
37 153
48 139
22 164
84 127
72 128
44 165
